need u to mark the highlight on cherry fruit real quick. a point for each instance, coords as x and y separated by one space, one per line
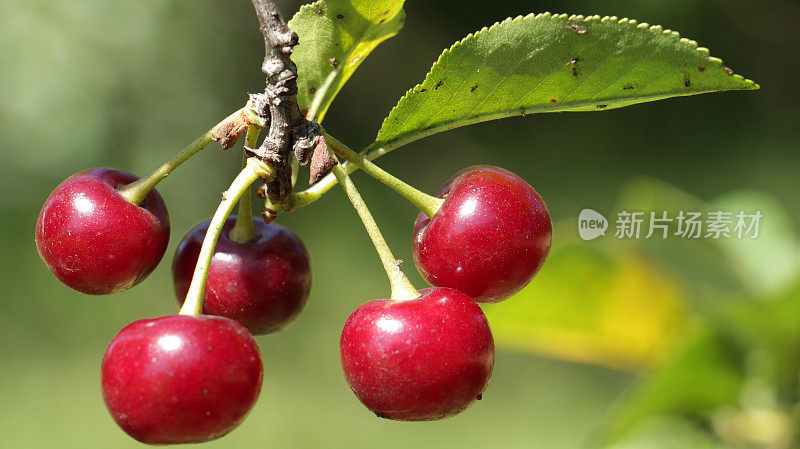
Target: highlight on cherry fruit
422 353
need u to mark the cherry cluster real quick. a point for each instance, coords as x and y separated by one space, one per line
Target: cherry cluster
194 377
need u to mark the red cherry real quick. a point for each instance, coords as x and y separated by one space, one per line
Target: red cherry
94 240
263 284
490 237
419 360
181 379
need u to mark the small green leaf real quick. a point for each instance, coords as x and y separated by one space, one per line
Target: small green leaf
335 37
553 63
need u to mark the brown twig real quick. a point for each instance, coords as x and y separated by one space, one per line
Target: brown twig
288 128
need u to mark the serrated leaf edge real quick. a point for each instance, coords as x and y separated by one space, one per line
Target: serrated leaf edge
577 18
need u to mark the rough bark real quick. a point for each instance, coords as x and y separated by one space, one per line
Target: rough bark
289 131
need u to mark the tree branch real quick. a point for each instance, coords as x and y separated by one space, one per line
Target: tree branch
289 130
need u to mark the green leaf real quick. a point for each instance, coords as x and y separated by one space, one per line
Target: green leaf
553 63
335 37
618 311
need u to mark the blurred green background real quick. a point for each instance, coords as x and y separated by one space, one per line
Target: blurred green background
615 344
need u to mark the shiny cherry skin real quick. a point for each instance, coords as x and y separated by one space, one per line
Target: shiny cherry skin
419 360
181 379
94 240
489 238
263 284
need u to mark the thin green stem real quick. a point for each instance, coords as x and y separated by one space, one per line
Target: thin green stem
244 231
400 285
254 169
424 202
138 190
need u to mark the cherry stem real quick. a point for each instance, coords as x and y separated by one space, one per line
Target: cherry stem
253 170
138 190
401 287
244 231
426 203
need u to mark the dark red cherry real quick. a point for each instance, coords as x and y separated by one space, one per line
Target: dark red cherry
94 240
490 237
419 360
181 379
263 284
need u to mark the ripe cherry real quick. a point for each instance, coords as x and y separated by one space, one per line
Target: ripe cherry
262 284
181 379
94 240
489 238
423 359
